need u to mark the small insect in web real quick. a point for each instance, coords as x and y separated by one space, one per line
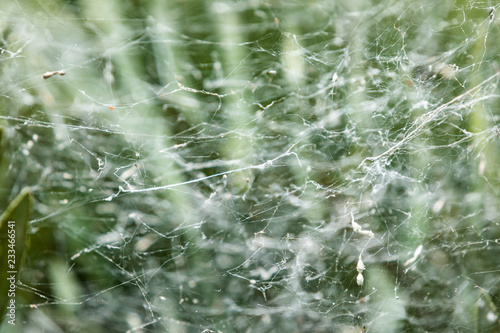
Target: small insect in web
491 14
51 74
335 78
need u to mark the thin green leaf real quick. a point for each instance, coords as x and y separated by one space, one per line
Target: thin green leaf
13 226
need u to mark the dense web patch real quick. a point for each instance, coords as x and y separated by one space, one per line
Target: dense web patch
255 166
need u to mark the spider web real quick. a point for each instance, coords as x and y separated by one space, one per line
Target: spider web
255 166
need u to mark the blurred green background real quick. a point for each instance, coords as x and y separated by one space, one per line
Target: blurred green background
198 165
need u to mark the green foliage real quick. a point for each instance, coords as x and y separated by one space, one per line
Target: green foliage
14 244
200 165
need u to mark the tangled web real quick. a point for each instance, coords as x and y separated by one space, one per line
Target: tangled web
255 166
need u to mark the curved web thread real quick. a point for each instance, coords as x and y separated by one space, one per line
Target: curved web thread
300 166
